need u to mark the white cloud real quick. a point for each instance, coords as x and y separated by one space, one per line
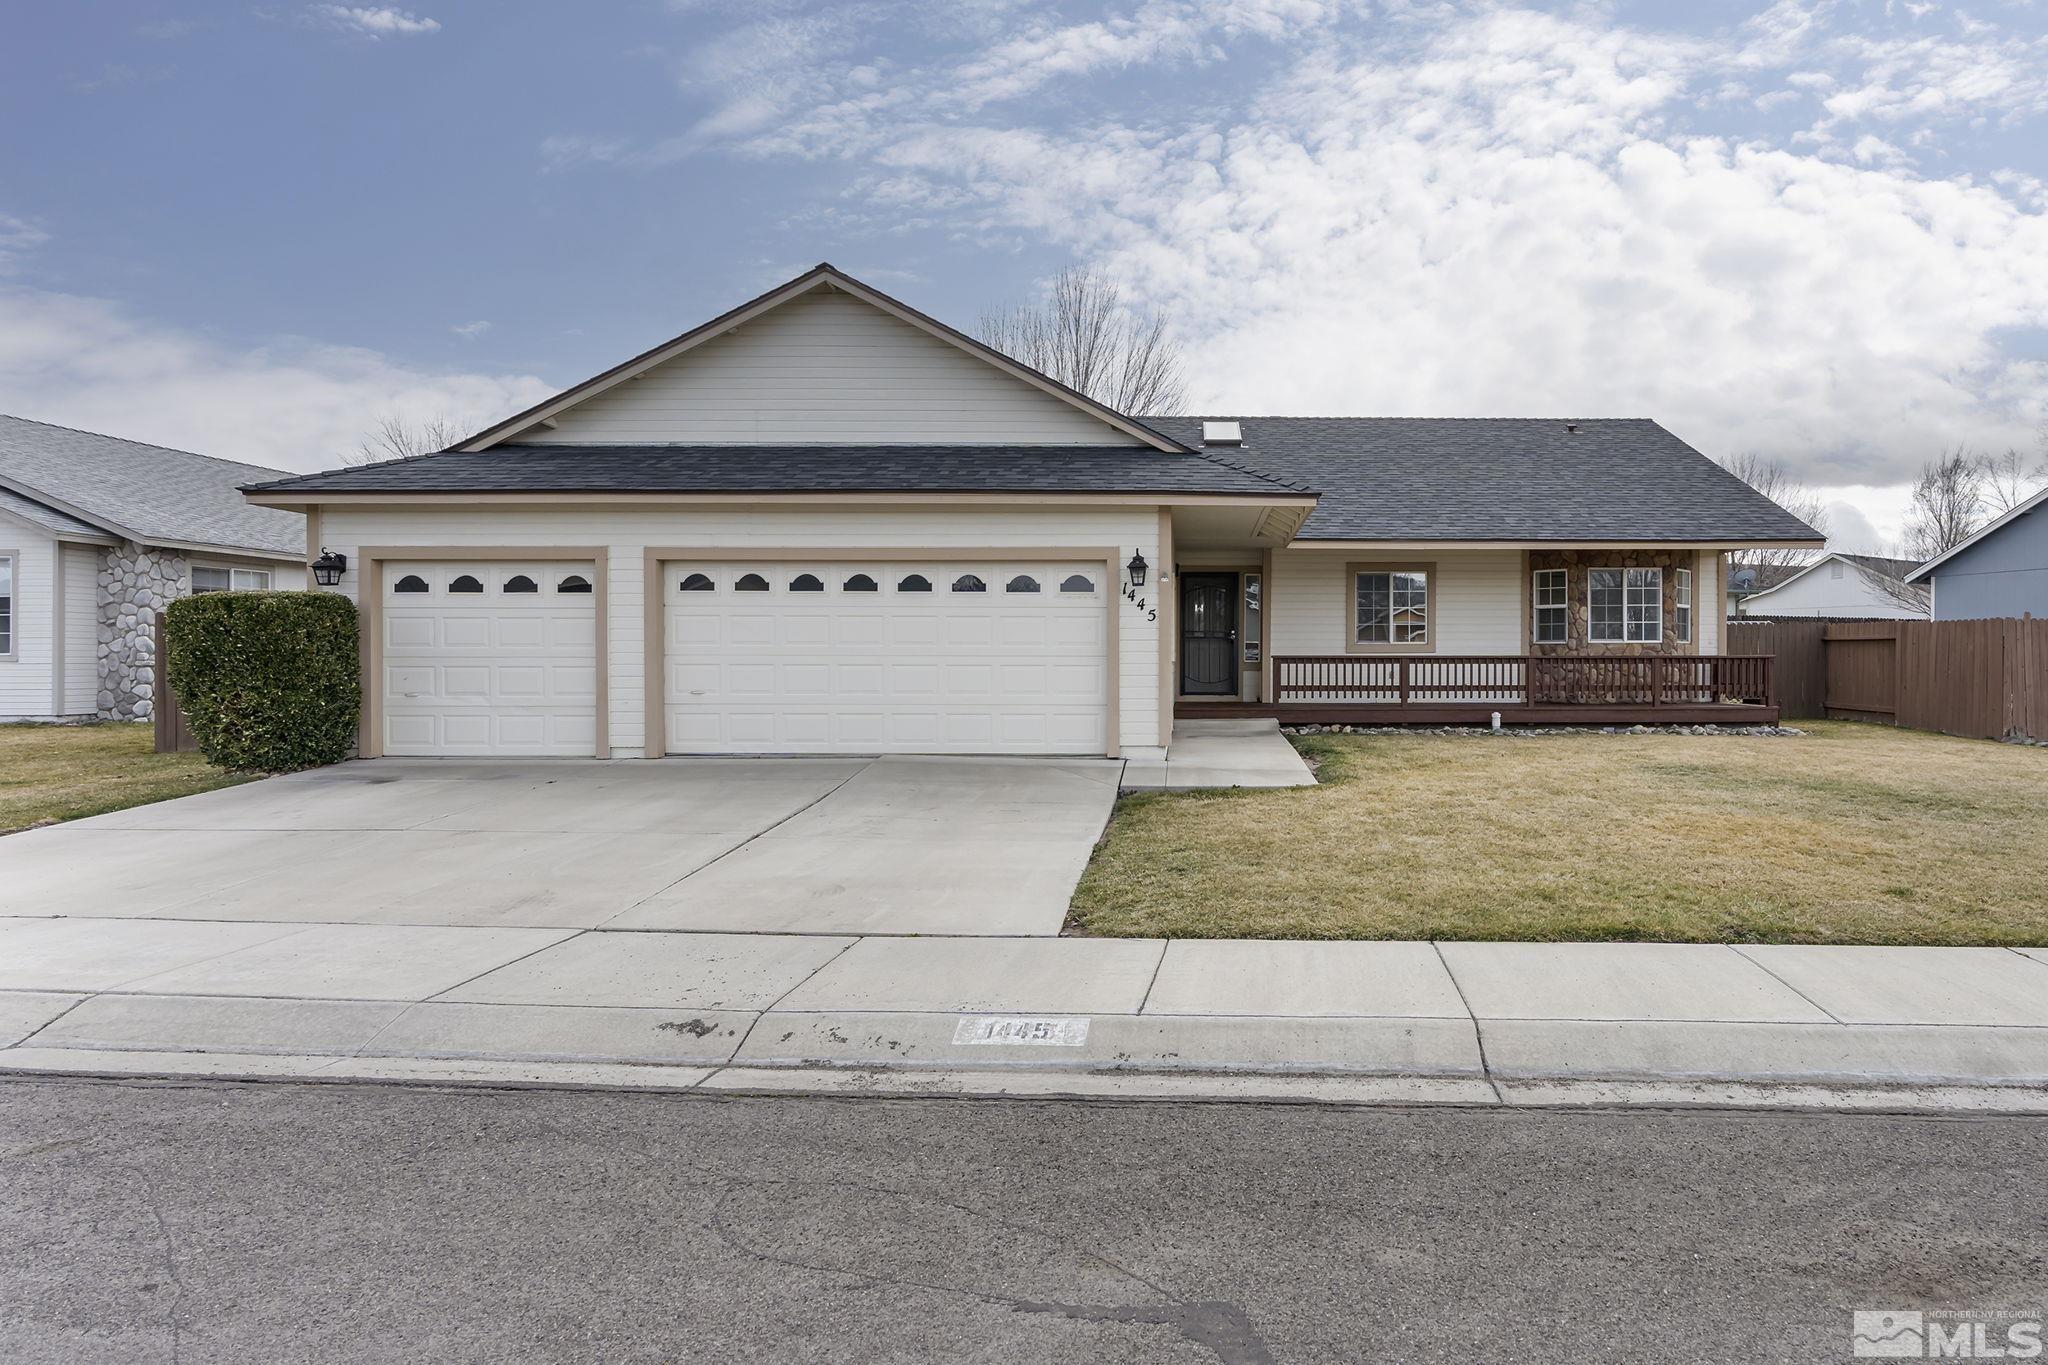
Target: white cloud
295 404
1498 210
381 21
17 237
470 331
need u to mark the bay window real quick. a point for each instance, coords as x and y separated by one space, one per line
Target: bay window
1624 606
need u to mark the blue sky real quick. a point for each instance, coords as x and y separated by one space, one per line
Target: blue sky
1813 230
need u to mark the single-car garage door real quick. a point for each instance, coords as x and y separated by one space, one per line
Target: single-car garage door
489 658
974 657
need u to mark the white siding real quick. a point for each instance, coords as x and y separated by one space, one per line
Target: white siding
25 672
1475 599
627 534
1820 592
81 629
826 368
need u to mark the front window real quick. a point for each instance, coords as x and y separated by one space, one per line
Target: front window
1548 599
1393 607
6 606
1625 606
1681 602
210 578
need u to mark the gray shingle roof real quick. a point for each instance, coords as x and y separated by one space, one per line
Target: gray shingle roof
1884 565
49 518
155 494
805 468
1489 478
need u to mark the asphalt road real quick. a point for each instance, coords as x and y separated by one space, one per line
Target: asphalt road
289 1222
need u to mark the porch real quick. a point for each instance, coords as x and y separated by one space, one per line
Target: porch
1526 689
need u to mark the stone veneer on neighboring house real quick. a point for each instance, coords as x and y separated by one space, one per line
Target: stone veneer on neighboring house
135 584
1575 563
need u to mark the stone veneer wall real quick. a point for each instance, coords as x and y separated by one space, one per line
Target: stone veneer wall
136 583
1575 563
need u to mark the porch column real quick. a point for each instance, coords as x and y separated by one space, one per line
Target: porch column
1266 697
1169 631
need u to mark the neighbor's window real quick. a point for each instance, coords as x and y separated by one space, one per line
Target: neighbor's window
1625 606
1681 603
1547 598
208 578
6 605
1392 607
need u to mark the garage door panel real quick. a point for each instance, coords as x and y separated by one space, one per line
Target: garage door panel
505 671
787 671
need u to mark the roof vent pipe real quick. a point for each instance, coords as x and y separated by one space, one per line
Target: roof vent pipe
1571 428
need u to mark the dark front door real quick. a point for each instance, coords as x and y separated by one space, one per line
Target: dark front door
1208 634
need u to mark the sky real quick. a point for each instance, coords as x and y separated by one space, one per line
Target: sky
1813 230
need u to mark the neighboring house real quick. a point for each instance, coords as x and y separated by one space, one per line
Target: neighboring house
1746 580
97 535
1839 585
2000 571
824 522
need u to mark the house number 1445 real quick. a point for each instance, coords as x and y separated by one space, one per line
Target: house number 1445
1151 613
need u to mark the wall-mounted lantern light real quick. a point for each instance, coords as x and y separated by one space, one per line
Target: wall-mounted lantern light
329 567
1137 568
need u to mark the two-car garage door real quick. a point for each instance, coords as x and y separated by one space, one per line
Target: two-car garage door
971 657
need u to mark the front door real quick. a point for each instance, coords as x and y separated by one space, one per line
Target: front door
1208 634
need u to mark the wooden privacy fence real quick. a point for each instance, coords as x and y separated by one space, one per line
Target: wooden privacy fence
1985 679
173 733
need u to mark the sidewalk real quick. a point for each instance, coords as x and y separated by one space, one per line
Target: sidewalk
1458 1022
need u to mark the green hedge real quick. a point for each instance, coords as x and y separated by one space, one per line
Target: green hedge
268 680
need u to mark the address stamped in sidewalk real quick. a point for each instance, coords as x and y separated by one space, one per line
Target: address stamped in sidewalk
1016 1031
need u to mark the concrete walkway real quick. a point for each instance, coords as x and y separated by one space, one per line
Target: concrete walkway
1469 1022
1221 753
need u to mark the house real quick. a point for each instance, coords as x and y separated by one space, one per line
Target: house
1855 587
2000 571
97 535
827 523
1747 578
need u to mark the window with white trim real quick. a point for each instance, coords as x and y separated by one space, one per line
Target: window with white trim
1624 606
1393 607
1548 600
1681 603
6 606
214 578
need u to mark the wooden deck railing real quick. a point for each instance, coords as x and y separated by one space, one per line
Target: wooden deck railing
1524 679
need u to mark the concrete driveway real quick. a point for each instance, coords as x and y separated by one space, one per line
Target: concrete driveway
884 846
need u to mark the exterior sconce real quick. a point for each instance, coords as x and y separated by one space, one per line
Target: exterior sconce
1136 568
329 567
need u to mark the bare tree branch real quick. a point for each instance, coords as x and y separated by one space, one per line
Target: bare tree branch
1084 336
396 438
1949 504
1776 482
2009 479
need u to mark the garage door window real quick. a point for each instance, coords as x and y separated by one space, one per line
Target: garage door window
967 582
916 582
1079 582
466 583
519 582
860 582
1023 582
752 582
412 582
575 582
806 582
697 582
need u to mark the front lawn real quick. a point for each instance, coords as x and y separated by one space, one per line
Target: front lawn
1852 834
62 772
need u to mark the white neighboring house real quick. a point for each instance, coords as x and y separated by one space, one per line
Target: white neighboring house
1847 586
97 535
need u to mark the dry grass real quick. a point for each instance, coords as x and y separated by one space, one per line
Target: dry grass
1854 834
50 773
